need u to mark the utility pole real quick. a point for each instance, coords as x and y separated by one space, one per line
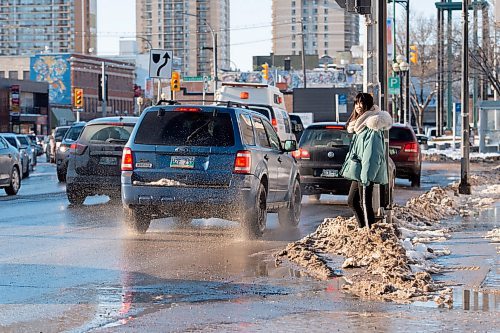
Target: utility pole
303 52
449 102
464 186
474 70
407 78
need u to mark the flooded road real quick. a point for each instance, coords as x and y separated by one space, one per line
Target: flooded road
76 269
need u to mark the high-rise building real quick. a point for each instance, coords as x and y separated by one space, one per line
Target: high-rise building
187 27
53 26
327 27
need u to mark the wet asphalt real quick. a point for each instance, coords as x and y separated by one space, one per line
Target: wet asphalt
76 269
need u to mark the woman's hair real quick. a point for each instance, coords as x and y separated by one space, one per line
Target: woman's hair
366 100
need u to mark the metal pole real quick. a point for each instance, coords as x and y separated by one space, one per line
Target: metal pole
158 98
382 50
393 97
449 103
474 71
303 52
215 62
103 87
464 186
407 78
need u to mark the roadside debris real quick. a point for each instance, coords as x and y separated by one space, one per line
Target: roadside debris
392 261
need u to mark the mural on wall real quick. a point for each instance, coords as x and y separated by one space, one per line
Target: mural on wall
54 69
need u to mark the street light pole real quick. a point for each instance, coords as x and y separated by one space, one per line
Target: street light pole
464 186
303 55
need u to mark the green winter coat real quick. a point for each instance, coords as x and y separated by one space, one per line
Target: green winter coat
366 160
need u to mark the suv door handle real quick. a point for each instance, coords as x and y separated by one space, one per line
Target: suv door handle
266 157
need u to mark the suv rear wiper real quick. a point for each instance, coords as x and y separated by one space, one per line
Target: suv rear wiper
116 140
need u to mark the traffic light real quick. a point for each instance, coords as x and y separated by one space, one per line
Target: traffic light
78 98
265 71
175 82
413 54
99 87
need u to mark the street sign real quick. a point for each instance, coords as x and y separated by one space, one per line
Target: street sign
195 78
160 64
341 101
394 85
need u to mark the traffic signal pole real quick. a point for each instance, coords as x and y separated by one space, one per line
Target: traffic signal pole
103 84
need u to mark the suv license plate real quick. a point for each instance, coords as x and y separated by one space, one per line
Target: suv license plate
107 160
393 151
330 173
182 162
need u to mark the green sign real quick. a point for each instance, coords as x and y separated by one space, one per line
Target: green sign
394 85
195 78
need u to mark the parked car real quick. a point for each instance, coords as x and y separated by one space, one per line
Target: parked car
62 152
322 151
10 167
11 138
405 151
28 145
199 161
54 142
94 159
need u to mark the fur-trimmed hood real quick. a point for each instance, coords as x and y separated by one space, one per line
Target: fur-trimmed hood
374 119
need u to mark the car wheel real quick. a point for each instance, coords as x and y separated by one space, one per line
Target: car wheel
137 220
61 175
289 217
75 196
15 182
256 218
415 180
181 221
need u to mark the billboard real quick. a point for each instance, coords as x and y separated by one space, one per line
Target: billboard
55 69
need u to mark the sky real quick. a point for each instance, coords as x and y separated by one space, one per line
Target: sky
250 27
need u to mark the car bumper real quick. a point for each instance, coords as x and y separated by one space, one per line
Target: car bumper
407 169
324 185
94 184
228 202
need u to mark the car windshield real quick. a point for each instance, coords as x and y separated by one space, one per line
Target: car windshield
106 133
186 129
73 133
11 140
400 134
325 137
60 133
24 140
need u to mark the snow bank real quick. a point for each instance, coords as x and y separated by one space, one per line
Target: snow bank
456 154
493 235
391 261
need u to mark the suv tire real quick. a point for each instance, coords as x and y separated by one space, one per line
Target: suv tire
137 219
75 196
256 216
415 180
15 182
289 217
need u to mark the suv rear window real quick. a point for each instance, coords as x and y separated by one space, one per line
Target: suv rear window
106 133
400 134
59 134
325 137
186 129
73 133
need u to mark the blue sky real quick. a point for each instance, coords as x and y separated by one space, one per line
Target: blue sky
116 18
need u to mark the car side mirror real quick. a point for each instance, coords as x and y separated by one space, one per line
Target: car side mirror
290 145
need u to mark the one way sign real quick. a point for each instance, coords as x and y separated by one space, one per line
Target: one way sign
160 63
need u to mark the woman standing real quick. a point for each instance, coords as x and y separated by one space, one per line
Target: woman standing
365 162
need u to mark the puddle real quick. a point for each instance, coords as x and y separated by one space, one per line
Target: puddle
468 300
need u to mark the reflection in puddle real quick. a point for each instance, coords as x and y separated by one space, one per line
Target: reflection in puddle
469 300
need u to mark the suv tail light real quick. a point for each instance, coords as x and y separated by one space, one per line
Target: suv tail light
274 122
410 147
77 148
127 160
243 162
301 154
187 109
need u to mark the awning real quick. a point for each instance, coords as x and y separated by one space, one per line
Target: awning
62 117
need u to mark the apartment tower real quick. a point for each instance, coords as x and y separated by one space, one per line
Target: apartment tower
29 27
184 26
327 27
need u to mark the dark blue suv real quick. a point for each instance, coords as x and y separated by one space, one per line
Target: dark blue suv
198 161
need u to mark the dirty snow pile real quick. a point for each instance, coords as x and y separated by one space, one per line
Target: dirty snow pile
391 261
456 154
493 235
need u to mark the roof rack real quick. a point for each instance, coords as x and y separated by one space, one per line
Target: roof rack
167 101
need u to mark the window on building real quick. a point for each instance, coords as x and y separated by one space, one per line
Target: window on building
293 45
294 52
326 11
13 75
293 28
293 11
26 75
326 27
326 44
2 74
293 3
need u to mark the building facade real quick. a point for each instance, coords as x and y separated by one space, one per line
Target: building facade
58 26
184 26
328 28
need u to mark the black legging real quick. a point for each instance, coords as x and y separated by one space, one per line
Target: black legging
355 201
